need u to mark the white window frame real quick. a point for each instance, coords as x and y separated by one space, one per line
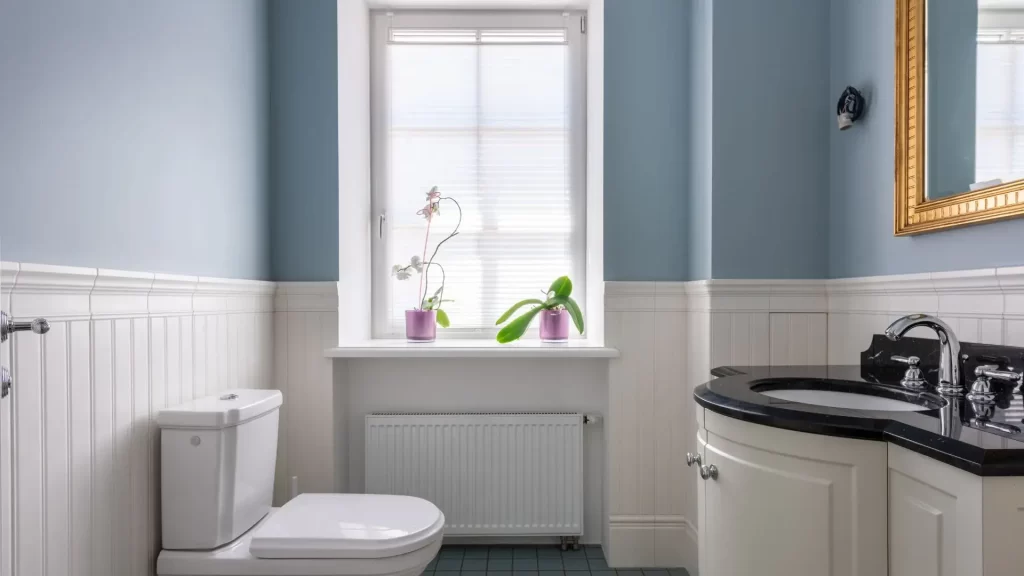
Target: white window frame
356 220
382 22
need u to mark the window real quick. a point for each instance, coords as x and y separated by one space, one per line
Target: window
488 107
1000 116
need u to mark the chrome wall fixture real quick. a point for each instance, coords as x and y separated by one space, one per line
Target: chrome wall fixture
8 327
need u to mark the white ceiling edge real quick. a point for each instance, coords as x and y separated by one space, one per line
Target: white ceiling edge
476 4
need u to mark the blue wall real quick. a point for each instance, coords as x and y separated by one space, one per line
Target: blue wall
304 148
133 135
646 173
701 58
646 139
861 242
793 196
771 119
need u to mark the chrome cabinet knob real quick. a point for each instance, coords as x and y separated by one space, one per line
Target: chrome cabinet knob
5 382
8 326
912 378
692 459
710 471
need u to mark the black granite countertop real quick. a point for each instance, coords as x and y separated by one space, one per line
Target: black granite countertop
983 440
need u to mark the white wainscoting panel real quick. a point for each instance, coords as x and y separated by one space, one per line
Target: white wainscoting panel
306 322
984 306
84 497
669 335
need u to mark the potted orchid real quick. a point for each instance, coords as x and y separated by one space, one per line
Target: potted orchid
420 322
555 311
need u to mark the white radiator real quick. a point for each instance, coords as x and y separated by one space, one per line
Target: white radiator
491 474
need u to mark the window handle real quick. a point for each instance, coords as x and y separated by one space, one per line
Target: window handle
380 224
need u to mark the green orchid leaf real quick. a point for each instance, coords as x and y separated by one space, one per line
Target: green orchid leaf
574 311
516 328
508 313
555 301
442 319
562 287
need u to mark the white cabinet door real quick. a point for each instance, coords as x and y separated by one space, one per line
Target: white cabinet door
935 517
702 509
791 504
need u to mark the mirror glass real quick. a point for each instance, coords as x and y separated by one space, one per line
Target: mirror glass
974 99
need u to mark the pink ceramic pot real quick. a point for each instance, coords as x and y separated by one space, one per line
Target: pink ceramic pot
554 325
420 325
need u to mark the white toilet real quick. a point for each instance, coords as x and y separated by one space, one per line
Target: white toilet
217 478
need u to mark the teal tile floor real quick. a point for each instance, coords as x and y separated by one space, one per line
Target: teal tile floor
531 561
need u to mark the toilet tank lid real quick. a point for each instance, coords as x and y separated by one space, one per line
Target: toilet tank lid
228 408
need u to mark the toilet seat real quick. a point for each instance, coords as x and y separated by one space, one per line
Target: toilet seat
347 526
237 558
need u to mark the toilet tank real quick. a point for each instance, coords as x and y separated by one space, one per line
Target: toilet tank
217 459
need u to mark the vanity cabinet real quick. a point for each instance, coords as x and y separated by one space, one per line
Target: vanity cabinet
789 503
798 504
944 521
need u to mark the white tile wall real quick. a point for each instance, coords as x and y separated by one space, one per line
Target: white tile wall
84 495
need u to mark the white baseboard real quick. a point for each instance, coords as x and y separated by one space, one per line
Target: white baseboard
640 541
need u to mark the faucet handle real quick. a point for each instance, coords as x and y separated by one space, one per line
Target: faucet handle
912 378
981 389
992 371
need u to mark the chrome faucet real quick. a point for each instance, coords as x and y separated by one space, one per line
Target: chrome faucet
950 381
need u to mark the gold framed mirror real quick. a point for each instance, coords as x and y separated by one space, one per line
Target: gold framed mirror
956 164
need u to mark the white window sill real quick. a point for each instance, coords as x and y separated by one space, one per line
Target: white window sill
471 349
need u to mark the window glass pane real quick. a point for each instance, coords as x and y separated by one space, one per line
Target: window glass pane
488 124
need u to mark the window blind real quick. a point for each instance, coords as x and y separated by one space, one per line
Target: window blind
1000 105
486 115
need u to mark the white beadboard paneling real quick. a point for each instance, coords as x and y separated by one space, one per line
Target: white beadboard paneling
1014 333
798 339
81 418
55 362
980 305
298 368
199 355
84 495
29 457
103 504
8 274
123 415
631 411
304 325
143 488
280 370
672 420
739 339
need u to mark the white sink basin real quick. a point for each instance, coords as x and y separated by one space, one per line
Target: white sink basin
844 400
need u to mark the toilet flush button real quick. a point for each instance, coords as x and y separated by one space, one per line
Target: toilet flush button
196 441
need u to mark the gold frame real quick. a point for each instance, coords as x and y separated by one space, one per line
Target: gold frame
914 213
